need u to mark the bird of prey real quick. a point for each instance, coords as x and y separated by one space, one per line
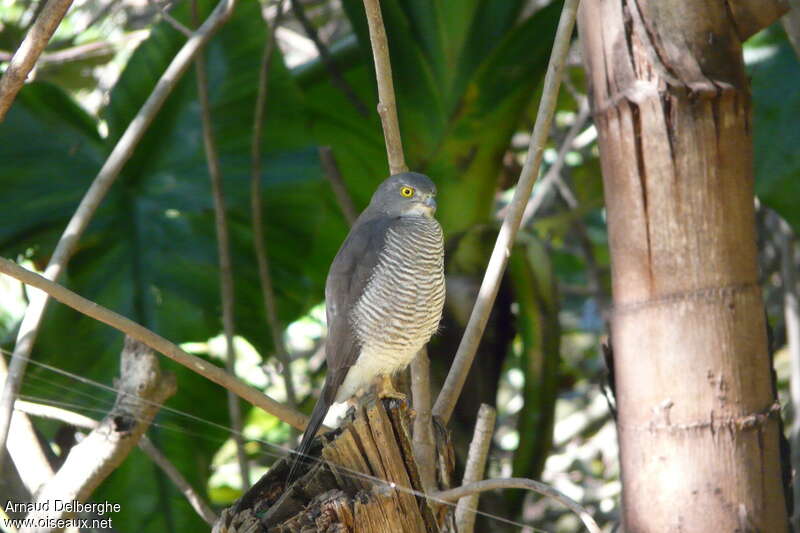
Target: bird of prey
384 293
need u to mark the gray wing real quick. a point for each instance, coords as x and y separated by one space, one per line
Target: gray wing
348 276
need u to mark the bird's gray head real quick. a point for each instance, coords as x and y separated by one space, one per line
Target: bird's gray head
408 193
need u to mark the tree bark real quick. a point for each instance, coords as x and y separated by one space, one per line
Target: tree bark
697 416
362 477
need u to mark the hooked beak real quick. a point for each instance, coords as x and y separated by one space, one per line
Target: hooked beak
431 203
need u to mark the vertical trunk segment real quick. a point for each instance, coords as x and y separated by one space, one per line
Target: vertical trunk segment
698 420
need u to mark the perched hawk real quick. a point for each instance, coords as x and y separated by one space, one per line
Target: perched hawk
384 293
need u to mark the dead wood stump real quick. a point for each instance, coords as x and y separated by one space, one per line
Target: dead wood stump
332 497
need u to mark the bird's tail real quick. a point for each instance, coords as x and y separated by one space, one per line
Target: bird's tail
299 455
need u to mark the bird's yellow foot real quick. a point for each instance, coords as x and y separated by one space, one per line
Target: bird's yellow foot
385 389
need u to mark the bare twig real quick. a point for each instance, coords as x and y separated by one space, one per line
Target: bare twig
52 412
73 53
29 51
475 467
102 13
142 389
259 240
25 448
791 313
462 362
457 493
172 21
423 443
155 341
97 191
387 108
195 500
337 79
334 176
553 175
225 263
80 421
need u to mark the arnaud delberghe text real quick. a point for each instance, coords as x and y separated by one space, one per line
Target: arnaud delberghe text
68 506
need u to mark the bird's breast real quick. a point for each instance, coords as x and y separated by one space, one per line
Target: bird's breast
402 303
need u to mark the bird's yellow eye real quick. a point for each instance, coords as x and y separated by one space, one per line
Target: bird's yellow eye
407 192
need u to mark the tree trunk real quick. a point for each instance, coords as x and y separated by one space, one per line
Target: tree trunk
698 423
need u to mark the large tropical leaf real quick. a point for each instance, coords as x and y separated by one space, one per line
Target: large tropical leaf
776 104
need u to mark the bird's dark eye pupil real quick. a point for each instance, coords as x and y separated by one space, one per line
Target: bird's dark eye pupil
407 192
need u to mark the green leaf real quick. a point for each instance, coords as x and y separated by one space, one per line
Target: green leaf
535 290
776 105
50 149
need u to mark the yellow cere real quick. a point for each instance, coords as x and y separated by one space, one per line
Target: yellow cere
407 192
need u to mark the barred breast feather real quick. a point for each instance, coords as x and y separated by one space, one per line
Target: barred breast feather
401 305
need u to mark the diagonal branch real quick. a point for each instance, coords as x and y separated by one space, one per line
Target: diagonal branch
331 170
259 240
29 51
553 174
462 362
78 420
156 342
387 108
25 447
225 262
91 200
337 79
142 389
457 493
172 21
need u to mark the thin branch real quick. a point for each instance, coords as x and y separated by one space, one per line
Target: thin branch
475 467
29 327
172 21
423 442
334 176
59 414
462 362
553 175
457 493
81 421
195 500
142 389
387 108
66 55
225 262
155 341
100 15
337 79
25 448
29 51
259 240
